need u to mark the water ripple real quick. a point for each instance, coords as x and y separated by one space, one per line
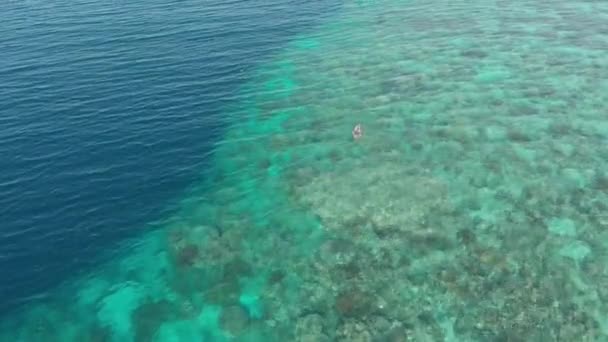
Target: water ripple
110 112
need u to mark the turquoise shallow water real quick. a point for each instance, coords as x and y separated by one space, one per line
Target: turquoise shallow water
472 209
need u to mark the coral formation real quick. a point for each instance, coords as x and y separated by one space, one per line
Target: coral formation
473 208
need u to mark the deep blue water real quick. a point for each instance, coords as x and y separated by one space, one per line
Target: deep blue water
108 113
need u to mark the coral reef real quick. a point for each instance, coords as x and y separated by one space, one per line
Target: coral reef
472 209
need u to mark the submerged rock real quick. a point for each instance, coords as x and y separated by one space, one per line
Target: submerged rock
234 320
236 268
354 303
187 255
148 318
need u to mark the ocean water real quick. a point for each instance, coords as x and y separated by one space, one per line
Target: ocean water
472 208
109 115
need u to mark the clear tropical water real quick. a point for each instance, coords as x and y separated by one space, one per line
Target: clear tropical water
472 209
109 112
